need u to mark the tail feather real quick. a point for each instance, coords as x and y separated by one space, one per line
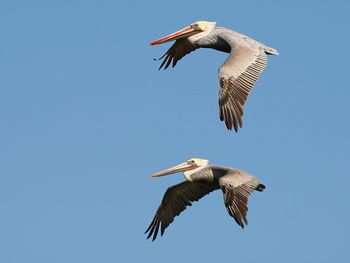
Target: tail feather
260 188
271 51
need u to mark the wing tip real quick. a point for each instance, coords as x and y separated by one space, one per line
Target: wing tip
231 126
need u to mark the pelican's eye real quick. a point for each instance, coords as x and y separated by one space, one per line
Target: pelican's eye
191 162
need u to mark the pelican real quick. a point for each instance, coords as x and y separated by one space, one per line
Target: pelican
246 60
201 179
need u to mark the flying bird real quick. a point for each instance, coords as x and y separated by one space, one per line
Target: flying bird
237 75
201 179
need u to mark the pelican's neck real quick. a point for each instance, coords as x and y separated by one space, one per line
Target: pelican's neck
188 174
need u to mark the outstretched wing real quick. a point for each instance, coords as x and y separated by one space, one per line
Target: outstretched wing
175 200
177 51
237 77
237 185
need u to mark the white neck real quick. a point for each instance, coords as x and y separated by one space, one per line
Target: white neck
188 174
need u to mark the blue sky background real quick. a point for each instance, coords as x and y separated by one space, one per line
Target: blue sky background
85 117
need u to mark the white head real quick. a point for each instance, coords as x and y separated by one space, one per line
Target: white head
204 27
188 167
198 162
193 32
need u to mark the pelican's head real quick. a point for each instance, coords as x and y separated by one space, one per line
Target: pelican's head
189 165
193 32
198 162
203 26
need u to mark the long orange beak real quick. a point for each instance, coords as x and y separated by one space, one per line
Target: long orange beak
185 32
175 169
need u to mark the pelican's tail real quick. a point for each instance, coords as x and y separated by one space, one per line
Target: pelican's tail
260 188
270 51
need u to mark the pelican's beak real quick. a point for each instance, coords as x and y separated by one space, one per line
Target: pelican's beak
182 167
185 32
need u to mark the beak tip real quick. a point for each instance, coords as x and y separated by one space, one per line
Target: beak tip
154 43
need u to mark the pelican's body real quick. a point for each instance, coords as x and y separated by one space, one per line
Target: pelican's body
201 179
247 59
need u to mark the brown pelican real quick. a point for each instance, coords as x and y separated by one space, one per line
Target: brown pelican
201 179
238 74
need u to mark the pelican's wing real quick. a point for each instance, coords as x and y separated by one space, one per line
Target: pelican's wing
237 185
237 77
175 200
177 51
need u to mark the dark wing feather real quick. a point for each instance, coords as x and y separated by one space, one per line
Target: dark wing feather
237 185
175 200
177 51
237 77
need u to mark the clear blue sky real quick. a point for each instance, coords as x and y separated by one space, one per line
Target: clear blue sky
85 117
